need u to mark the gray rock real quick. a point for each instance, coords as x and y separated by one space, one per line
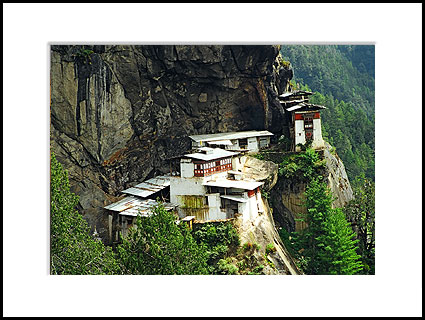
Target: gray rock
118 112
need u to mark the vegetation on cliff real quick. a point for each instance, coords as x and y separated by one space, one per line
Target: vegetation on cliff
72 249
157 245
327 245
328 240
352 133
218 240
302 166
361 213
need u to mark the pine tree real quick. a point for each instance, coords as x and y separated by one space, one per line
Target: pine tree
361 213
72 249
330 247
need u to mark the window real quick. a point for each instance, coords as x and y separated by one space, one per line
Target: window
243 143
308 126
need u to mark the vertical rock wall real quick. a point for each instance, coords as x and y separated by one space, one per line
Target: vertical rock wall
118 112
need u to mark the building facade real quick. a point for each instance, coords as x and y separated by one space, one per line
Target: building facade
209 186
209 189
138 200
304 119
251 141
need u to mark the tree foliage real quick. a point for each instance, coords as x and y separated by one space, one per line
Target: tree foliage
345 72
342 78
361 213
303 165
157 245
218 241
352 133
327 245
72 249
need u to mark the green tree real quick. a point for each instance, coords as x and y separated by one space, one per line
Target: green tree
328 241
361 213
157 245
219 241
72 249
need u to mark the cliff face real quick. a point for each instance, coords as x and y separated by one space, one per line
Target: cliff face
288 194
118 112
261 229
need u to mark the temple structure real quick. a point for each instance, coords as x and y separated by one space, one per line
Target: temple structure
304 119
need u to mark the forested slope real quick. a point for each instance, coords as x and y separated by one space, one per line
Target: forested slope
342 78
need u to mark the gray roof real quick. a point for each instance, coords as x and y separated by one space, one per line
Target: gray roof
230 135
296 107
306 107
216 153
294 93
225 142
129 202
234 198
292 101
132 206
237 184
149 187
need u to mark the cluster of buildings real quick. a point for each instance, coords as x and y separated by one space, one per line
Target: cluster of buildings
210 184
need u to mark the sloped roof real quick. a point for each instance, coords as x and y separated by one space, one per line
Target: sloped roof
221 142
149 187
230 135
216 153
305 107
237 184
295 93
132 206
234 198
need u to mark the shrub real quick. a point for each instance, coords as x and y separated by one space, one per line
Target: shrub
257 270
224 266
157 245
304 165
289 170
270 248
259 156
218 240
247 246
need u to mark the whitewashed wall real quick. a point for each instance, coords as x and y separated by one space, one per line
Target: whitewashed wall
253 144
318 141
188 186
253 209
299 132
214 207
238 163
187 168
243 208
214 176
234 146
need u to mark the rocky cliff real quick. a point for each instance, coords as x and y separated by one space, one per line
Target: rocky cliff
288 194
261 230
118 112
